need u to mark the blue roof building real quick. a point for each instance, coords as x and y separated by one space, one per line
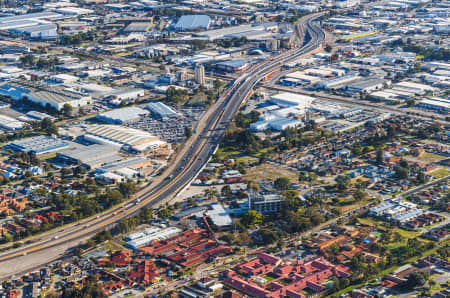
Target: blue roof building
13 92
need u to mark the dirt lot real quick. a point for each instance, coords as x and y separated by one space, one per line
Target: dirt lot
268 171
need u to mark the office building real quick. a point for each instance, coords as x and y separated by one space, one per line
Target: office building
200 74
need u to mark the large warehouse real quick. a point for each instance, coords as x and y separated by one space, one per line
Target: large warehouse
291 99
92 156
161 110
122 116
193 22
55 97
129 138
37 145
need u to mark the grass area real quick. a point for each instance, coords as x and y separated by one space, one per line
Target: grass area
47 157
431 157
269 278
113 246
224 153
268 171
439 173
198 99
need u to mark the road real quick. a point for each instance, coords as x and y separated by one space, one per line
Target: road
181 171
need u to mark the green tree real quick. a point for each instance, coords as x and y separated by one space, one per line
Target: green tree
282 183
251 218
379 157
342 182
187 132
67 110
226 192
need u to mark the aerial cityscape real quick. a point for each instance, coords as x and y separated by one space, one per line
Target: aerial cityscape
248 148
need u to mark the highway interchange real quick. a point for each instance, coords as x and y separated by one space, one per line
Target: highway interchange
190 160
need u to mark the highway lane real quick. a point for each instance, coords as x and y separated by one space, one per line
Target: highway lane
188 166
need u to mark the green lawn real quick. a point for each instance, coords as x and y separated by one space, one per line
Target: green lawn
431 157
440 173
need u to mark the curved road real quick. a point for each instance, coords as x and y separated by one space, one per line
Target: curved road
188 163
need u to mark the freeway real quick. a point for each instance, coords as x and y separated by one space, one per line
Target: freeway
188 163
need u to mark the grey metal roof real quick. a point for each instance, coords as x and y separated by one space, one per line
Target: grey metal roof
190 22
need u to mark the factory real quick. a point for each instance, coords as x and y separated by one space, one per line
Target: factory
92 156
122 116
193 22
162 111
128 138
38 145
129 168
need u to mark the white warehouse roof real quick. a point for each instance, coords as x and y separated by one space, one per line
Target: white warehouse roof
291 99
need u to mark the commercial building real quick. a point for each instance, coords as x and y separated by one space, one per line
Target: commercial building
200 74
193 22
219 216
233 66
122 116
92 156
152 235
265 203
129 138
161 110
38 145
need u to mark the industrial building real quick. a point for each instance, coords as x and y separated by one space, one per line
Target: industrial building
55 97
122 116
129 138
193 22
291 99
365 86
32 25
336 83
37 145
132 165
439 105
11 124
161 110
126 94
92 156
